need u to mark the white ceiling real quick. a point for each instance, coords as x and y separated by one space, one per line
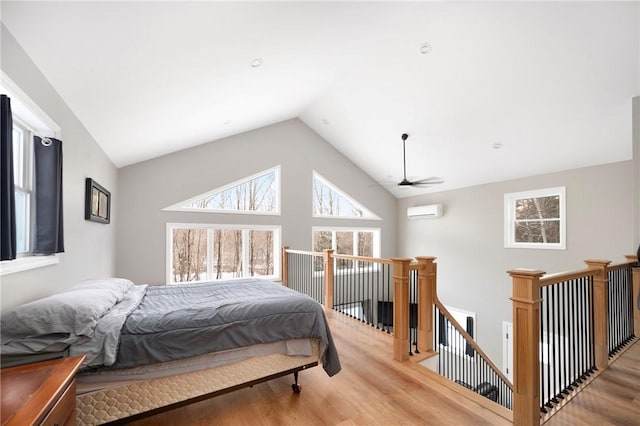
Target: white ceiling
551 82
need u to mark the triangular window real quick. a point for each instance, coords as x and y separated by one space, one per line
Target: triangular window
331 201
257 194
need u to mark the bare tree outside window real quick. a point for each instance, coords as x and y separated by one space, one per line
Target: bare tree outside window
228 253
258 193
260 253
189 254
322 240
349 242
365 246
535 219
538 220
344 245
330 201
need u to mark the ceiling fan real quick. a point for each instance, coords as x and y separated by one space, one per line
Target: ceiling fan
420 182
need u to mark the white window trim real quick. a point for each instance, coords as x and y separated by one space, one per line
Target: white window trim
30 115
509 217
376 235
25 263
372 215
276 243
376 245
178 207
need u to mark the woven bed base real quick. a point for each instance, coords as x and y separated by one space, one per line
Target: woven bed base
133 399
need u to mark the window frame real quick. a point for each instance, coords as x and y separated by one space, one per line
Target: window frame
180 207
245 228
25 180
510 218
315 175
354 230
27 114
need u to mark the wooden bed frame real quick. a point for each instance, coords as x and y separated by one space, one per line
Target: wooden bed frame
140 399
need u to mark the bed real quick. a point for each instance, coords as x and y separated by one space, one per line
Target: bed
152 348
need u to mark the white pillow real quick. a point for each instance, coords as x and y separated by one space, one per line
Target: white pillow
121 284
75 311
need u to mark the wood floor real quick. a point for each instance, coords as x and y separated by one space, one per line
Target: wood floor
372 389
613 398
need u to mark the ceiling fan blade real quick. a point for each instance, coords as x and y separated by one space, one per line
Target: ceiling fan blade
433 180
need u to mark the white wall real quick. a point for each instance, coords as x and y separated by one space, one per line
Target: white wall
468 239
89 246
148 187
636 169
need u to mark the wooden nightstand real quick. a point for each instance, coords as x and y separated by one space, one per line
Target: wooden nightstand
43 393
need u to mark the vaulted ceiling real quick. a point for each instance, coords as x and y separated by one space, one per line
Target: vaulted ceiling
486 91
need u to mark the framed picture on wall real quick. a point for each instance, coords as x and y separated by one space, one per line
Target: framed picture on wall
97 202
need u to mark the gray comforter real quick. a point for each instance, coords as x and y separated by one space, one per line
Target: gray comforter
180 321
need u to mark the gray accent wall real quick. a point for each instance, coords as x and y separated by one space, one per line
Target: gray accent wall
468 240
146 188
89 246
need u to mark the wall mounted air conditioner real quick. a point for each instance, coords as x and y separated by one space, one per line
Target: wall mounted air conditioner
425 212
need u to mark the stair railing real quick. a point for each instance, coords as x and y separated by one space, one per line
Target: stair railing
566 329
398 296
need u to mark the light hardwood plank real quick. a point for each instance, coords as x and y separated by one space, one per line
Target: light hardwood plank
613 398
371 389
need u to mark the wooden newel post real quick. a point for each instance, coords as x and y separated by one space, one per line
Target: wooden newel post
328 279
600 311
401 309
285 266
526 346
427 278
636 294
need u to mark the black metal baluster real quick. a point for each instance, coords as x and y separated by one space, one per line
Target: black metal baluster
545 331
580 330
565 328
572 326
551 333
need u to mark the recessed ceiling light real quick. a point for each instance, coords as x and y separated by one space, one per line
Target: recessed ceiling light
256 63
425 48
497 145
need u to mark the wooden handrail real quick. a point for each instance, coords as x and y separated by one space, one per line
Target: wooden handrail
308 253
363 258
622 265
526 298
550 279
526 314
471 341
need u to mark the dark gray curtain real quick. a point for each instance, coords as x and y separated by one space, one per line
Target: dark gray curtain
7 192
48 236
